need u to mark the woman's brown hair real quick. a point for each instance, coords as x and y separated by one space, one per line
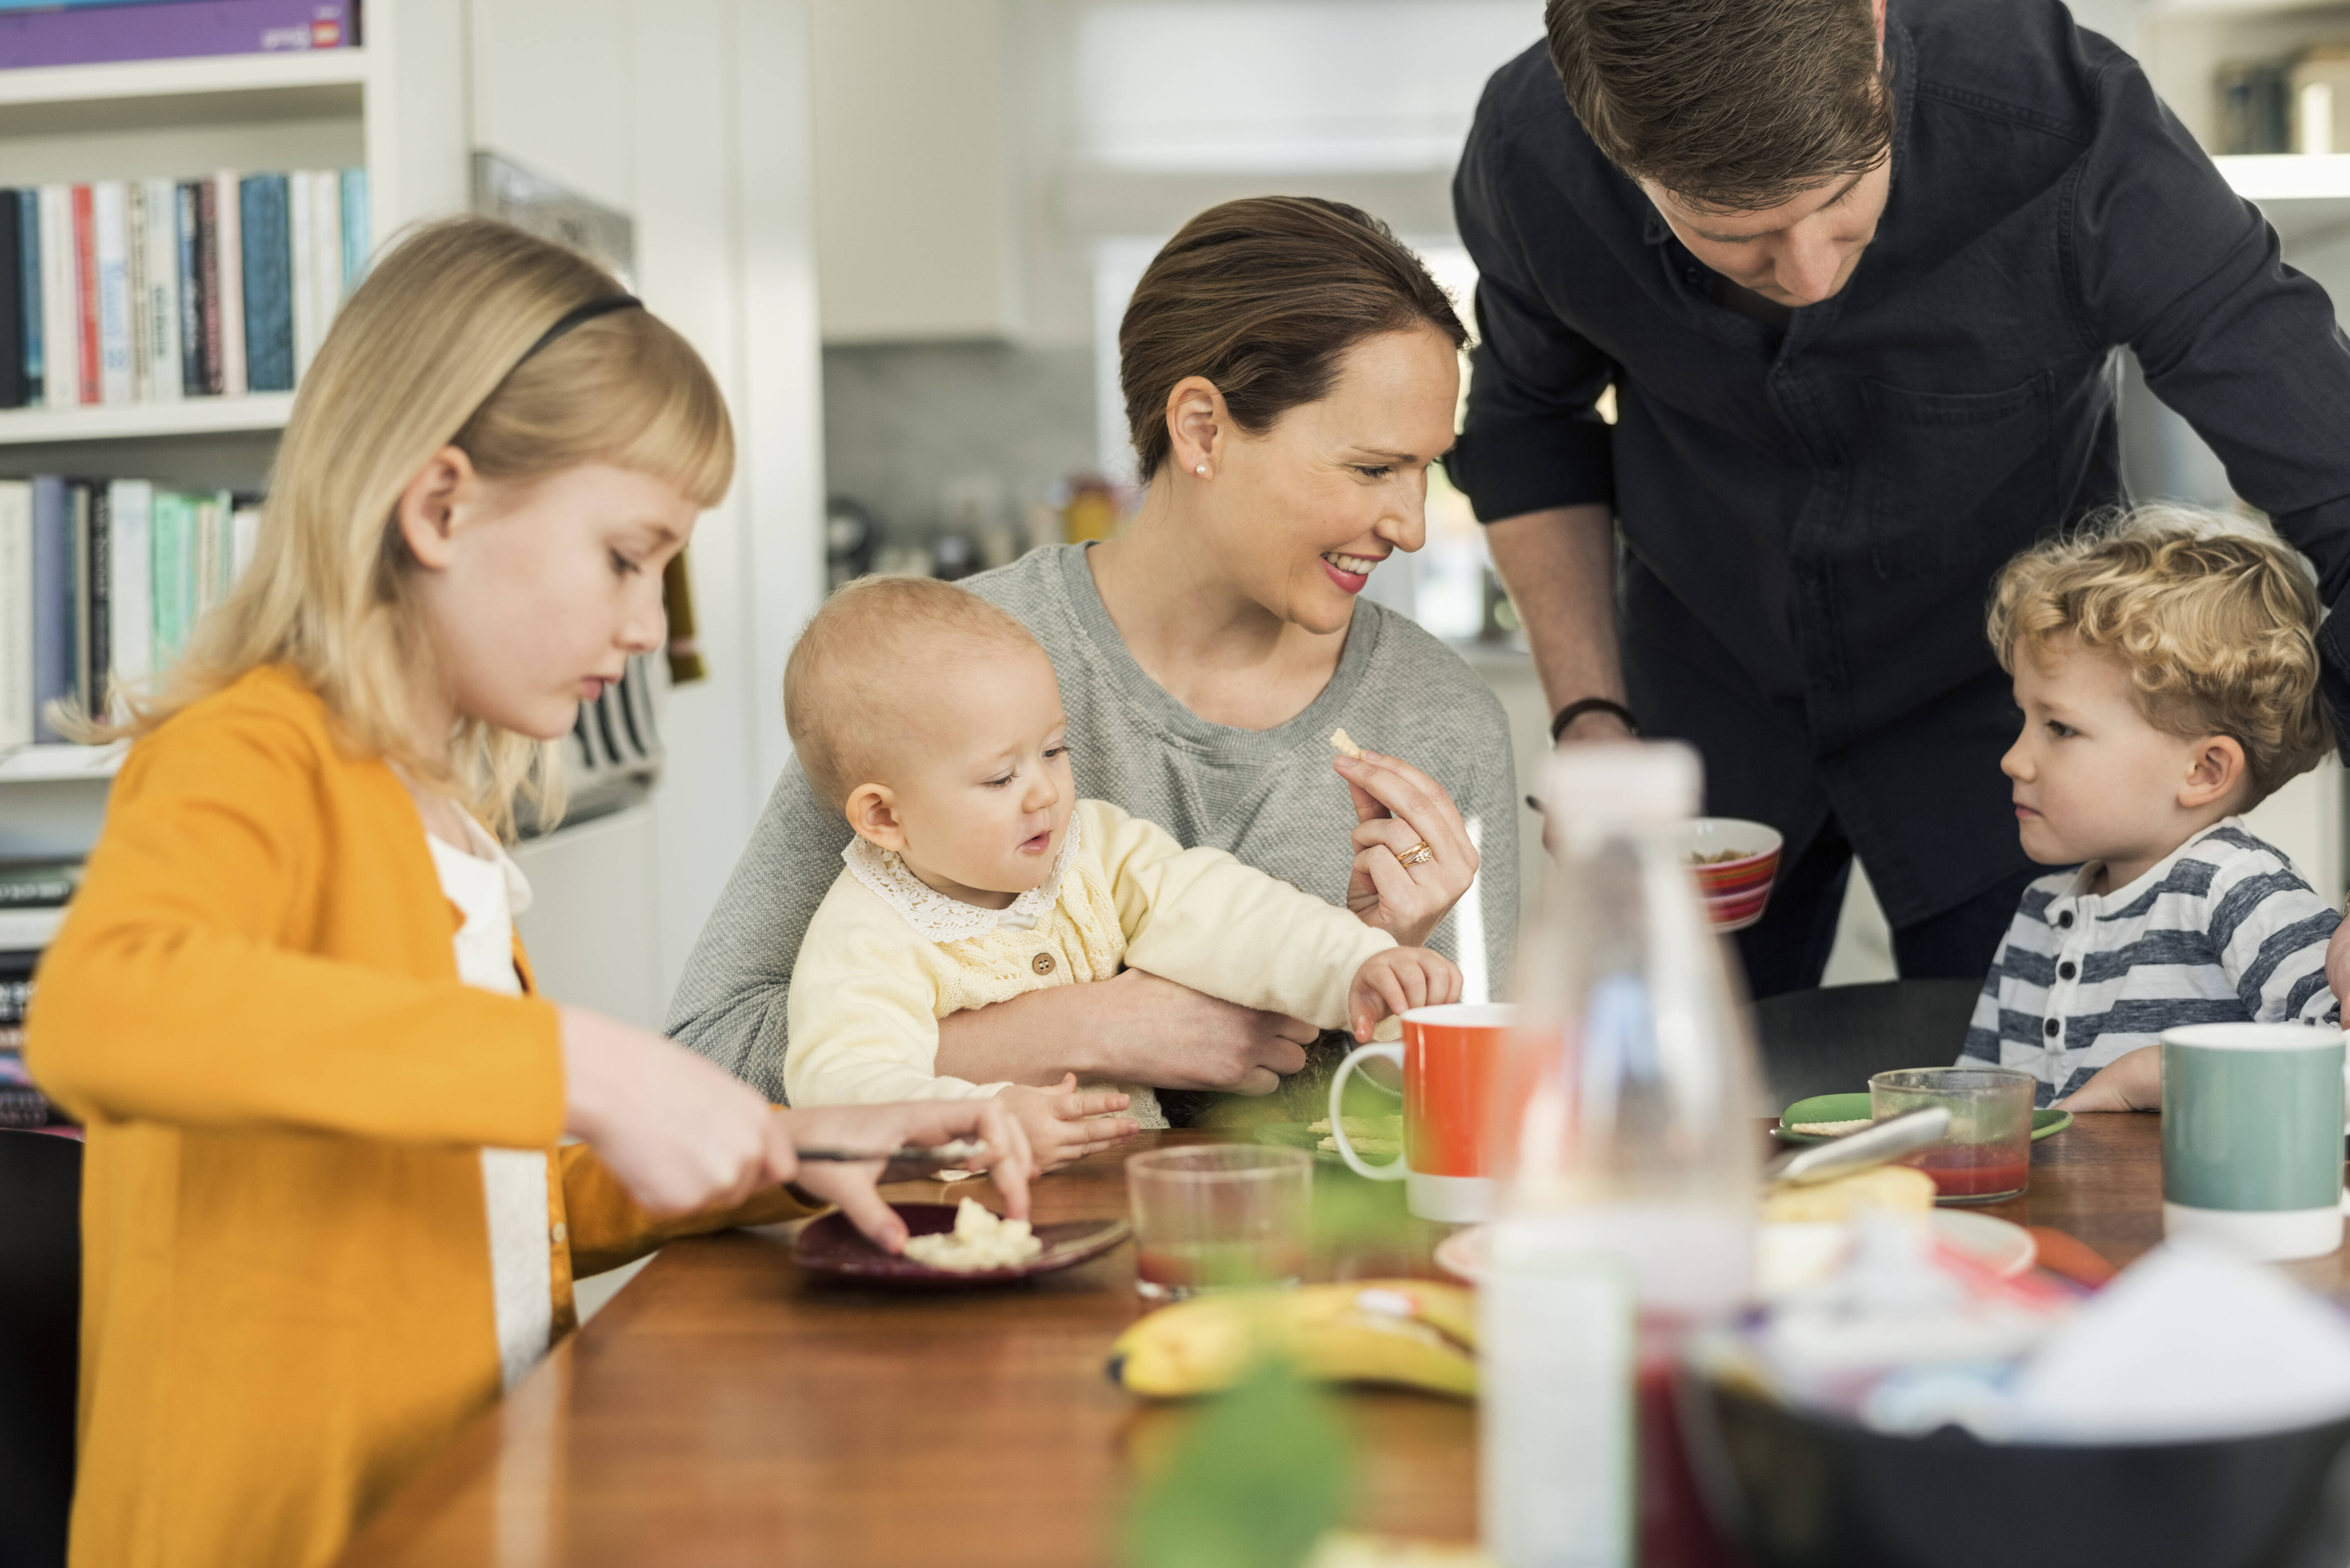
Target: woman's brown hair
1263 296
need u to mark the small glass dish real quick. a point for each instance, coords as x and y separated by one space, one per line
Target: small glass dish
1217 1216
1986 1157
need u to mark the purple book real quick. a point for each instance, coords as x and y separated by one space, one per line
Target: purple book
173 31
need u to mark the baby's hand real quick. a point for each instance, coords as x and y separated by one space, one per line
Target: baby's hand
1397 981
2130 1082
1063 1125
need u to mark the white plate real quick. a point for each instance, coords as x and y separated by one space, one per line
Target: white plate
1790 1255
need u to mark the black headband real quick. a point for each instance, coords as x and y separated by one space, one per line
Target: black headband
588 312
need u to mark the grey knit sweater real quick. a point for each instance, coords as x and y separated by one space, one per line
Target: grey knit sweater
1269 796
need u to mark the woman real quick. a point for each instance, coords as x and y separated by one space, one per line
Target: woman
1290 372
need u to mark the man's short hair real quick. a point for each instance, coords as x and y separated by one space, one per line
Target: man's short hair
2214 616
871 646
1735 105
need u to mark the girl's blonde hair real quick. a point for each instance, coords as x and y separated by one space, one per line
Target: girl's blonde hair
2214 616
429 352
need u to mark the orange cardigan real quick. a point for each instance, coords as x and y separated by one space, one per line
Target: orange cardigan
254 1006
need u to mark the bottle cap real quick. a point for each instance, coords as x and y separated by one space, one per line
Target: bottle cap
1623 783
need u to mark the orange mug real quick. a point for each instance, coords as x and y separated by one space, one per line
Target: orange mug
1449 1057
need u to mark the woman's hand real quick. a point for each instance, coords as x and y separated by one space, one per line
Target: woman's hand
882 1128
1401 811
1135 1028
680 1132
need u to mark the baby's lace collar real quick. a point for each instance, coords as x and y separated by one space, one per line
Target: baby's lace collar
940 918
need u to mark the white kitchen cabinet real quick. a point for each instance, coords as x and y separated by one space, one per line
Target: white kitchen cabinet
914 216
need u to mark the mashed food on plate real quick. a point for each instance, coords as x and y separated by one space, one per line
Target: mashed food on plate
981 1239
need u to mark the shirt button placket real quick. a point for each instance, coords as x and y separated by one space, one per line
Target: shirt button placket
2060 994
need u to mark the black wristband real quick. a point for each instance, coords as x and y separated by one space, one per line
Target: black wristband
1574 711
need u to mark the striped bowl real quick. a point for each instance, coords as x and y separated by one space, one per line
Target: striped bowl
1736 890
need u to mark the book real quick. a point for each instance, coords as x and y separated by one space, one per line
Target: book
356 229
37 884
60 314
12 310
245 536
326 249
84 265
16 997
171 550
161 306
111 270
131 597
301 212
16 613
193 375
28 239
90 588
211 279
215 551
229 226
268 284
85 34
134 250
53 601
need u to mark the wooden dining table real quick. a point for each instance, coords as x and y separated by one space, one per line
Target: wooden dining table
728 1408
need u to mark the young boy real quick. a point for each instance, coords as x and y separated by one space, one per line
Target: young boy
934 720
2166 670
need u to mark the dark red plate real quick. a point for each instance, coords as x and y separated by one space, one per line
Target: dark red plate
835 1247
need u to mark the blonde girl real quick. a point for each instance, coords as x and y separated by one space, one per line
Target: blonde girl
325 1217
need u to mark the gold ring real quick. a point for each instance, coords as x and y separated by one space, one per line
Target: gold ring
1419 854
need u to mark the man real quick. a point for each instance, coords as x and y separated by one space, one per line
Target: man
1858 282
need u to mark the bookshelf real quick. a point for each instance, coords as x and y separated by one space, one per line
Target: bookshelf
145 421
183 119
60 765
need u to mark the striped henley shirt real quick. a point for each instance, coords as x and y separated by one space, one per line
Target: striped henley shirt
2224 930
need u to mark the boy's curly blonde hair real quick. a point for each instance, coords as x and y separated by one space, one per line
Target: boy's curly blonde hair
2214 615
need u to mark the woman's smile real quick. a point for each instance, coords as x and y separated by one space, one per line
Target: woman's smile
1349 571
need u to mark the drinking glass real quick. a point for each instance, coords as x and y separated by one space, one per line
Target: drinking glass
1213 1216
1986 1156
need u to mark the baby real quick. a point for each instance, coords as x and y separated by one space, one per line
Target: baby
2166 670
933 719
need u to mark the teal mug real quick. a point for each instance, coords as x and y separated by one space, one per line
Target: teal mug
2251 1138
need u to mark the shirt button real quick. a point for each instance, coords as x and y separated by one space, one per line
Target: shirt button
2065 919
559 1234
2067 970
1043 964
2054 1029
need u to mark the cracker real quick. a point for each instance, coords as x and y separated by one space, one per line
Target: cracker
1343 742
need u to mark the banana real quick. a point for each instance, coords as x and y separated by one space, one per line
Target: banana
1415 1332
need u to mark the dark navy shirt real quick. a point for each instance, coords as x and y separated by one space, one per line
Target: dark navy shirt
1813 519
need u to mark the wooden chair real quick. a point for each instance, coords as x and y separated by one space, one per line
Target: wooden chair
41 1342
1829 1041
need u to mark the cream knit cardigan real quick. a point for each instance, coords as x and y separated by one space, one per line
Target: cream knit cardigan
870 986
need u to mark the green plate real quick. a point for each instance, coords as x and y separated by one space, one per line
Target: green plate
1301 1135
2045 1123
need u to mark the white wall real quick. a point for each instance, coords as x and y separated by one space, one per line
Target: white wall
693 115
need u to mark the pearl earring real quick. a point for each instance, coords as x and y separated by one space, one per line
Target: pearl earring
1201 470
